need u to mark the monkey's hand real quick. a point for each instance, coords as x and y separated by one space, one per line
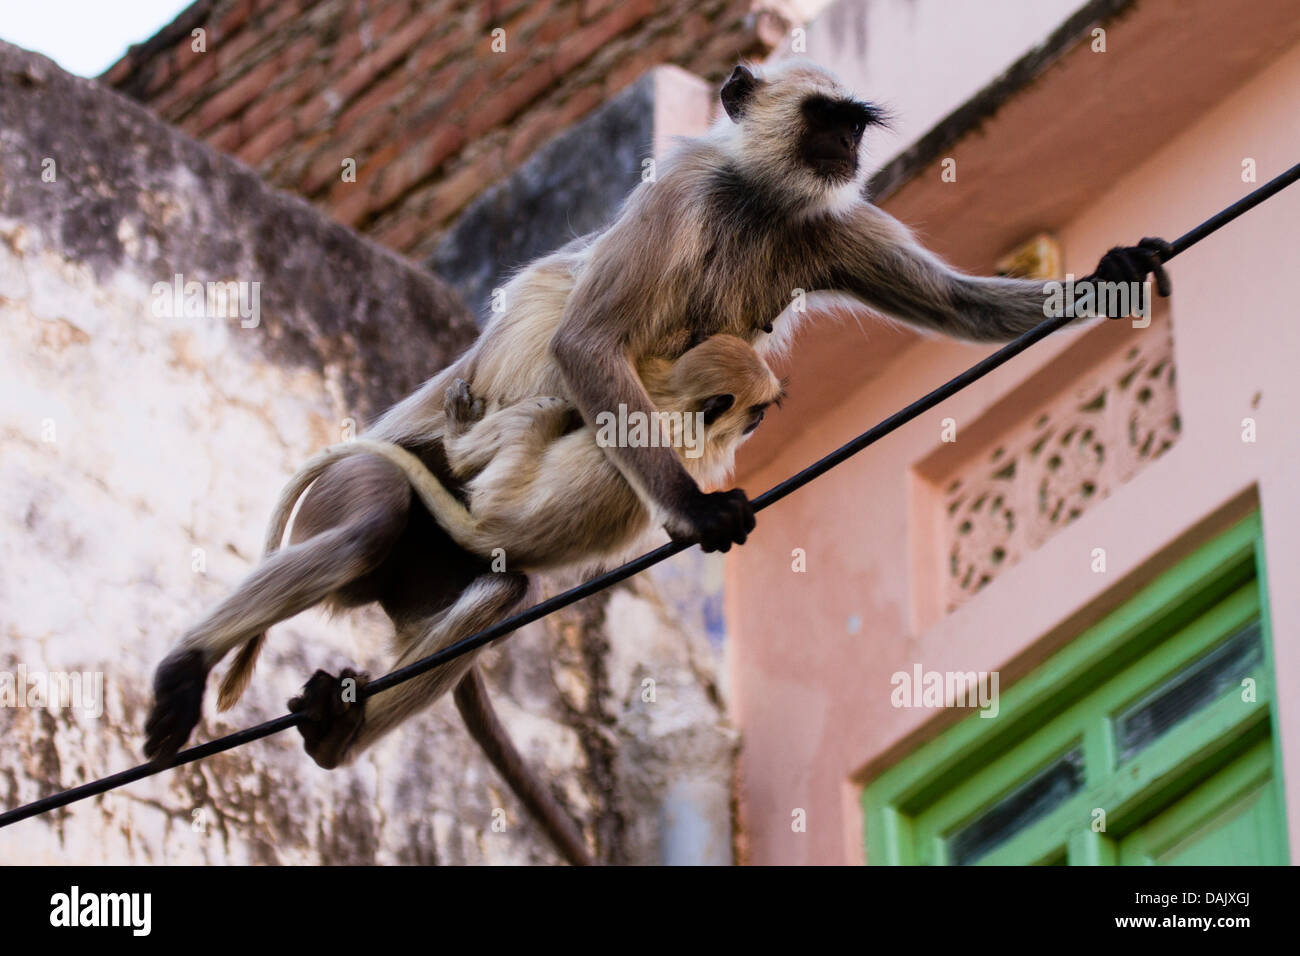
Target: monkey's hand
716 520
177 704
1134 264
461 407
333 715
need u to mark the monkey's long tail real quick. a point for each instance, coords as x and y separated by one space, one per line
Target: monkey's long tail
485 727
442 504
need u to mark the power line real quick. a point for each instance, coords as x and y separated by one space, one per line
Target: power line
650 559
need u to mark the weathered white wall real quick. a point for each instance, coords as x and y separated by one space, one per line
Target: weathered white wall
136 448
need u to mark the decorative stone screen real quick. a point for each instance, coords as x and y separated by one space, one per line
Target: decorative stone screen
1044 472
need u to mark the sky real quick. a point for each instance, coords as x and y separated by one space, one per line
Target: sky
85 37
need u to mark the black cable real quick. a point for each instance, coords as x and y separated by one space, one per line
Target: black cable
1245 204
650 559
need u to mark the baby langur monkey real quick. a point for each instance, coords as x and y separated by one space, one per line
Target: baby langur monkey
542 488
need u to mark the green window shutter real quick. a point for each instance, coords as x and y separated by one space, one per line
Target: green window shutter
1149 739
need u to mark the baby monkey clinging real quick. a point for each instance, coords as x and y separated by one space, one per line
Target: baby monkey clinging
539 487
540 484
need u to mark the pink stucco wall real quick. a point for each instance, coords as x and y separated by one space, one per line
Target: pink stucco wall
812 652
900 52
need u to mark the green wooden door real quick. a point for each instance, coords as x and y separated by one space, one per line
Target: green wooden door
1234 818
1149 739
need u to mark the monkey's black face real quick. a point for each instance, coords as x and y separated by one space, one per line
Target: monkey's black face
832 132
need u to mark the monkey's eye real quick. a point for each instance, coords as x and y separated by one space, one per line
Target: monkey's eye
858 127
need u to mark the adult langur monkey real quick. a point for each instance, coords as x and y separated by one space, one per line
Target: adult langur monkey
769 201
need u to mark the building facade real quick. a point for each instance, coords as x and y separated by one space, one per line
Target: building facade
1054 619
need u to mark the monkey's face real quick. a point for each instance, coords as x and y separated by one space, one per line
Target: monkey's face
797 126
730 419
732 385
832 135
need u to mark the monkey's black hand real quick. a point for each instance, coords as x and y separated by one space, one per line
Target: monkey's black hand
177 704
333 713
1134 264
717 520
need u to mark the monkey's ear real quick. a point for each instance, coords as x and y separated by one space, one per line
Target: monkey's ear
715 405
738 91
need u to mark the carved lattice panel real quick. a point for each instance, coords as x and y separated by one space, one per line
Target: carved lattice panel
1044 473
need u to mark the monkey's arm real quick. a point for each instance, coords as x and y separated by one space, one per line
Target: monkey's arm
597 365
876 259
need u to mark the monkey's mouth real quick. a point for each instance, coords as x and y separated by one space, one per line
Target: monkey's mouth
837 169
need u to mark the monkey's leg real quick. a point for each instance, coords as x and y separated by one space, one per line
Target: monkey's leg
481 720
521 430
370 510
337 729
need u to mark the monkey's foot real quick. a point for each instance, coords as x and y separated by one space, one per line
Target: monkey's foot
177 704
461 407
333 713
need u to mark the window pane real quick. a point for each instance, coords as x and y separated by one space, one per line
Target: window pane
1193 688
1036 798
